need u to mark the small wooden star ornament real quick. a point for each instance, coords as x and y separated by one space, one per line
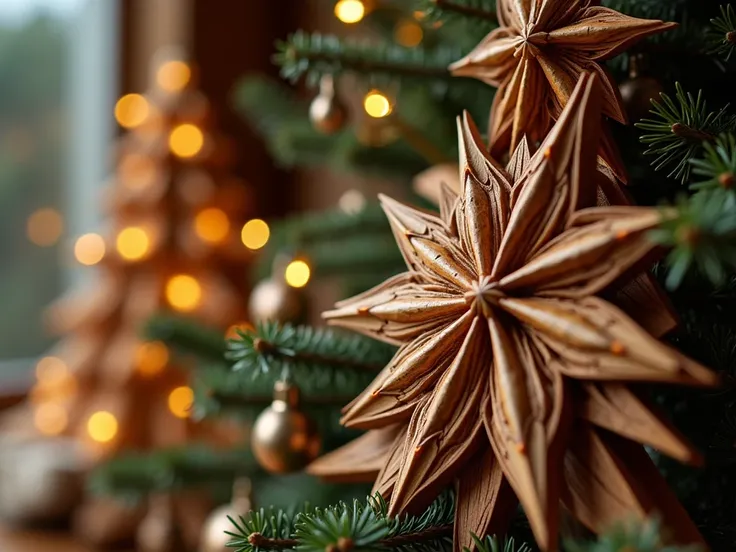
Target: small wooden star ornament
535 58
511 376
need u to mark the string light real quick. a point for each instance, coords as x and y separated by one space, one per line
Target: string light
51 370
180 401
255 234
131 110
212 225
102 426
151 358
351 202
44 227
132 243
183 292
408 33
89 249
173 76
50 419
186 140
349 11
376 104
137 171
297 274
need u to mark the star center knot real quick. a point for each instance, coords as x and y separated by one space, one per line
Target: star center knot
483 295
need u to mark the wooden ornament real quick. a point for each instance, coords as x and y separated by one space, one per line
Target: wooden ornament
327 112
639 90
536 57
284 438
499 317
214 536
273 299
159 530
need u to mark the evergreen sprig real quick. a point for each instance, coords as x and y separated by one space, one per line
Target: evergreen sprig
286 349
494 544
718 165
723 33
701 234
314 55
641 537
679 129
187 336
442 10
357 527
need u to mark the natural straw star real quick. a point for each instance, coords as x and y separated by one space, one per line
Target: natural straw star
536 57
508 348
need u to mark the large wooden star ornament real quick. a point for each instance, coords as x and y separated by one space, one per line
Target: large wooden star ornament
535 58
511 375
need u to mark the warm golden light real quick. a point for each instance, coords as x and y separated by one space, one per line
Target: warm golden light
297 274
173 76
51 370
45 226
102 426
376 104
180 401
89 249
232 331
151 358
132 243
255 234
349 11
131 110
212 225
186 140
408 33
183 292
50 418
136 171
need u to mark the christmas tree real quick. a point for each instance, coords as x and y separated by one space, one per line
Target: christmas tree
562 247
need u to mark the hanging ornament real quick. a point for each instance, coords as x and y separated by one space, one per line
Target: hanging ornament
327 112
158 532
639 90
273 299
284 439
214 537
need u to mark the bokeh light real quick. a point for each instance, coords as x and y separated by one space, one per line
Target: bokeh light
50 418
183 292
186 140
133 243
351 202
173 76
180 401
376 104
151 358
45 226
408 33
349 11
212 225
89 249
102 426
297 273
131 110
255 234
51 370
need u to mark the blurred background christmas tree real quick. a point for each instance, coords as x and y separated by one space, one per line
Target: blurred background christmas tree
202 176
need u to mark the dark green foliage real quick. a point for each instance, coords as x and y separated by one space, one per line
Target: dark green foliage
285 350
723 34
718 165
187 336
703 234
633 537
494 544
679 128
133 476
444 10
365 525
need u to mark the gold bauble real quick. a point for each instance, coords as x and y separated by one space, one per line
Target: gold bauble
327 112
275 300
159 532
284 438
214 537
640 89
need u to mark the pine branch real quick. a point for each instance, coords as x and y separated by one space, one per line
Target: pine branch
188 336
316 55
723 33
646 537
493 544
286 349
361 526
702 234
718 165
440 10
679 129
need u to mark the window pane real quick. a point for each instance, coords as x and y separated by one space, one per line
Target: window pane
42 131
